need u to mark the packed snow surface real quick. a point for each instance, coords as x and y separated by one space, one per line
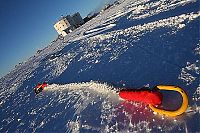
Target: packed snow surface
129 45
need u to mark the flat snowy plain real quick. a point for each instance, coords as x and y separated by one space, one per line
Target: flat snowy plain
130 45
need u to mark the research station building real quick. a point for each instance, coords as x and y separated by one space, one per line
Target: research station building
68 23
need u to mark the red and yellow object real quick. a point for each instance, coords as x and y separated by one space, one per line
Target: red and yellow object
40 87
154 97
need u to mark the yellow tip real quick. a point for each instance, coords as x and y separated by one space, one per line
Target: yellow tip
183 107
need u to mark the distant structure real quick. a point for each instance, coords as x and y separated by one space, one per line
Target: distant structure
68 23
77 19
90 16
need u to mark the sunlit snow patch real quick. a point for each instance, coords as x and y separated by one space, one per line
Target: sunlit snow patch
95 106
102 28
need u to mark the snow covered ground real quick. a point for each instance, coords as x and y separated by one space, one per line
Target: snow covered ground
130 45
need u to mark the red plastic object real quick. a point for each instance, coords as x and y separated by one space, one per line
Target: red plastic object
145 96
42 85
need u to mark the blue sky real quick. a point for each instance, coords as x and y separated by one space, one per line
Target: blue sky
27 25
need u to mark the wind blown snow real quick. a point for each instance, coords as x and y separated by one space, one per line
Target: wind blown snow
130 44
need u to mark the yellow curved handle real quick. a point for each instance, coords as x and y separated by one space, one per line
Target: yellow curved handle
183 107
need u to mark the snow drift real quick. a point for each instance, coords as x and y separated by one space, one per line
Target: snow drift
129 45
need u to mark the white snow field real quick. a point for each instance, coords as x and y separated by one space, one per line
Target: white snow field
130 45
